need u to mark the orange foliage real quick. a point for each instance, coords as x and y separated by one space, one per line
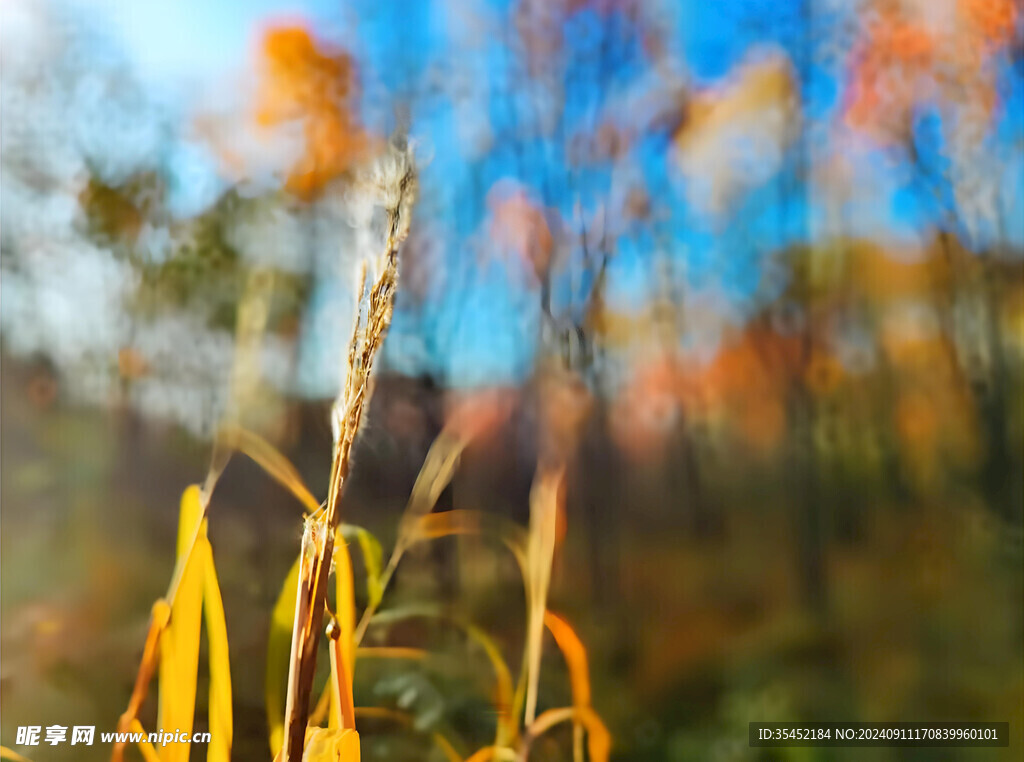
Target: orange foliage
479 413
304 81
993 20
648 408
519 225
904 56
892 57
744 387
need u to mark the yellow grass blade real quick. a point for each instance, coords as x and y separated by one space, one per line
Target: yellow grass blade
12 755
279 643
179 644
270 460
328 745
220 710
145 747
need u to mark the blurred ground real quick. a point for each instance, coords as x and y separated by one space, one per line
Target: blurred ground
694 626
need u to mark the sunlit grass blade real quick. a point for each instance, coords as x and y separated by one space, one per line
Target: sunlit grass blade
179 644
220 708
278 648
270 460
544 499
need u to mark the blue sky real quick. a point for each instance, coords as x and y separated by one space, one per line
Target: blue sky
179 45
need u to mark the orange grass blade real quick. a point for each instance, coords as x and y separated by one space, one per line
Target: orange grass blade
575 654
220 711
579 672
158 619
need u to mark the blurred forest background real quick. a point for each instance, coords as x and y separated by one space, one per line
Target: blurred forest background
778 246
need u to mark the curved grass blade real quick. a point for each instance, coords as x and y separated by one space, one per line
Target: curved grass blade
599 741
502 675
402 718
575 655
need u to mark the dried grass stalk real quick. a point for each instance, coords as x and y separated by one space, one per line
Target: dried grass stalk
391 183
